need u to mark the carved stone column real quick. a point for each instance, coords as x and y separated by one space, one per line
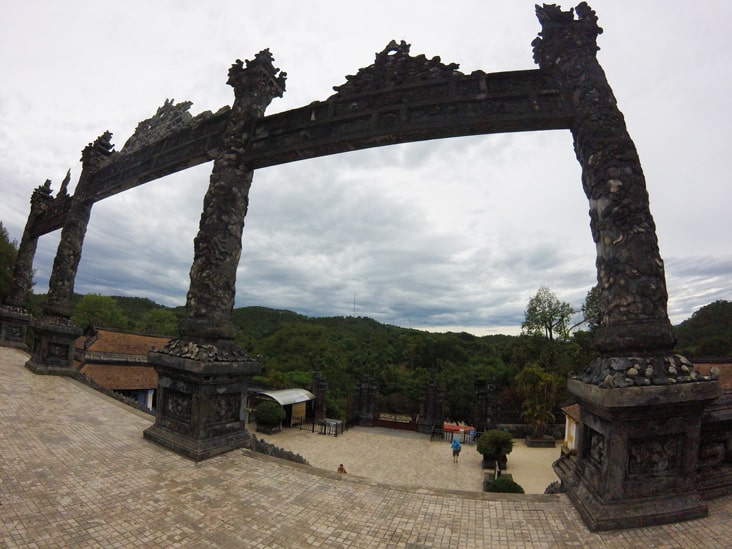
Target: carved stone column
366 401
320 390
640 404
629 267
54 333
431 406
486 406
217 247
14 315
203 376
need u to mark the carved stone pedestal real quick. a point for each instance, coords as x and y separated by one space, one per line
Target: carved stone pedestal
14 323
53 346
201 398
637 454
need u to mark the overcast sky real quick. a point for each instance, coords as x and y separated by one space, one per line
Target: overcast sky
453 234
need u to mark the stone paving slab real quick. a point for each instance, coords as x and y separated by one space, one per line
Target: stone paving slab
75 471
407 458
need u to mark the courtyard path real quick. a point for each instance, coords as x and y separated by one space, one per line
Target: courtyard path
410 459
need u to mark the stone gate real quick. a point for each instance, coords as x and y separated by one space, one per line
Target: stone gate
641 405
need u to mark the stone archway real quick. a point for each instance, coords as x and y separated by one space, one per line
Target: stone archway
638 386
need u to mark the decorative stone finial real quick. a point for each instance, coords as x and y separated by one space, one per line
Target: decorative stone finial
99 150
561 32
392 67
259 75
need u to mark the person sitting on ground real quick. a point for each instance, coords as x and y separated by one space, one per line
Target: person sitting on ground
455 450
342 469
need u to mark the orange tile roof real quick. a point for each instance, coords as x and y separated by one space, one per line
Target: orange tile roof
725 371
122 343
122 377
118 360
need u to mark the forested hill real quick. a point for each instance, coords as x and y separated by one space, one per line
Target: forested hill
708 332
400 361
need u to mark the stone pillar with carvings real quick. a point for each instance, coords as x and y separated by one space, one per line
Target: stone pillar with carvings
14 315
431 406
365 397
320 390
54 333
486 405
217 247
203 376
640 404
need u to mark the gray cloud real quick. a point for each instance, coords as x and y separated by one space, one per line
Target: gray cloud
448 234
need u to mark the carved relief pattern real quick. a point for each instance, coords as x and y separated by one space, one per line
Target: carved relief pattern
596 447
58 354
395 67
654 456
179 404
225 408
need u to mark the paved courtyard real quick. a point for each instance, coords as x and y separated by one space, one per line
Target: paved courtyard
410 459
75 471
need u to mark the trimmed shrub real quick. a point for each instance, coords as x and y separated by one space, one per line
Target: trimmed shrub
504 485
269 414
495 445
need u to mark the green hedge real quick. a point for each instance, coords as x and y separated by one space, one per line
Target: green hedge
505 485
269 414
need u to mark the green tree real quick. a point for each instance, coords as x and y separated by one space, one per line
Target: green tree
99 311
708 332
538 389
495 445
8 253
546 316
158 321
591 309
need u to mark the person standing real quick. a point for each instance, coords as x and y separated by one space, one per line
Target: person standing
456 447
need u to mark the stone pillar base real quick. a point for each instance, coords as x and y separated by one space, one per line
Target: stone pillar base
53 346
201 399
193 448
14 323
637 454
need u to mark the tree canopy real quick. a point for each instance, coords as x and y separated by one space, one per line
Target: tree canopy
400 361
8 253
100 311
591 309
546 316
708 332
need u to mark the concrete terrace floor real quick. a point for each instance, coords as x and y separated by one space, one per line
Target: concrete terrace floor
76 472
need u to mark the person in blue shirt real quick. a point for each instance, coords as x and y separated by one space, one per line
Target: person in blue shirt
455 450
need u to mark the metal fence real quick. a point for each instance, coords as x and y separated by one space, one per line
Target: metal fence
325 426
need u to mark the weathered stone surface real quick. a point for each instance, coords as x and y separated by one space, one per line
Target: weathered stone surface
614 371
394 67
68 254
217 246
629 266
170 117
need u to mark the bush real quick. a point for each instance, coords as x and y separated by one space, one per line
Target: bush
269 414
495 444
504 485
